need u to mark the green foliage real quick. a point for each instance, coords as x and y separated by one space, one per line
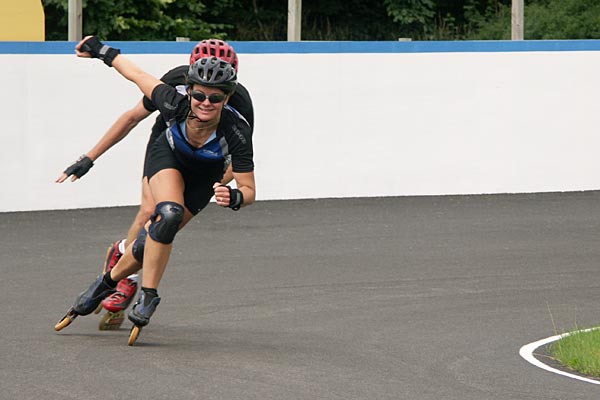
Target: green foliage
563 19
491 22
56 13
250 19
415 17
322 20
266 20
350 20
133 20
544 19
408 12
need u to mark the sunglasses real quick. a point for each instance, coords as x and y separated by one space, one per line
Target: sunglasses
214 98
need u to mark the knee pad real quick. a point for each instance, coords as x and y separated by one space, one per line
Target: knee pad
163 230
139 244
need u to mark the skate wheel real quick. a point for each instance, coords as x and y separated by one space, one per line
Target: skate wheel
65 321
111 320
133 335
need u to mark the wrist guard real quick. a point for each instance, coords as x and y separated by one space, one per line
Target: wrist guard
80 167
236 198
99 50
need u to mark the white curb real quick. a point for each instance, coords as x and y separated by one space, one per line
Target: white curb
527 353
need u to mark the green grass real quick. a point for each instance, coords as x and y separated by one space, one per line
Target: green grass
579 351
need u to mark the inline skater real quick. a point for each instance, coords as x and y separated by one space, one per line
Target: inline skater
184 169
116 303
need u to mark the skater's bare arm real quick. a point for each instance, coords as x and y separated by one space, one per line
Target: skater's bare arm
135 74
245 184
227 176
91 47
120 129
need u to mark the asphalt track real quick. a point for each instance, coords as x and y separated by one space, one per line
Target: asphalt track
416 298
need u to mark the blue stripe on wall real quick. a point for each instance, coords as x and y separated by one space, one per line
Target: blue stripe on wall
318 47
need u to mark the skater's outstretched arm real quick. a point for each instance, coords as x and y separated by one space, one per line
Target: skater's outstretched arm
117 132
91 47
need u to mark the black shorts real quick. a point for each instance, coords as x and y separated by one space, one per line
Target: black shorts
198 177
153 136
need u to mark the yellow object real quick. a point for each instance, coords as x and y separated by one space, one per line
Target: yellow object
22 20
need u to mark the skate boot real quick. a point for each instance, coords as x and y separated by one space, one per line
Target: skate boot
90 299
86 302
143 309
141 313
116 304
113 255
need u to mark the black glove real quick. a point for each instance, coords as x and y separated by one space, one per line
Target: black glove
99 50
80 167
236 198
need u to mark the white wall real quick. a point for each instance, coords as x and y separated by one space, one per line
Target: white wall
327 125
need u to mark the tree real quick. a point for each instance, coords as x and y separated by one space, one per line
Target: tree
321 20
133 20
266 20
563 19
414 17
544 19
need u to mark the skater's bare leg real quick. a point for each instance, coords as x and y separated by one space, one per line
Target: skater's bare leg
167 189
156 257
126 266
144 213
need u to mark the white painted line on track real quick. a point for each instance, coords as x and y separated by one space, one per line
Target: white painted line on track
527 353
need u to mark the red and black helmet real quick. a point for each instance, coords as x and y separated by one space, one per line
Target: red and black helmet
214 48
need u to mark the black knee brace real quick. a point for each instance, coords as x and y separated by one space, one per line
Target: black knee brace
163 230
139 244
